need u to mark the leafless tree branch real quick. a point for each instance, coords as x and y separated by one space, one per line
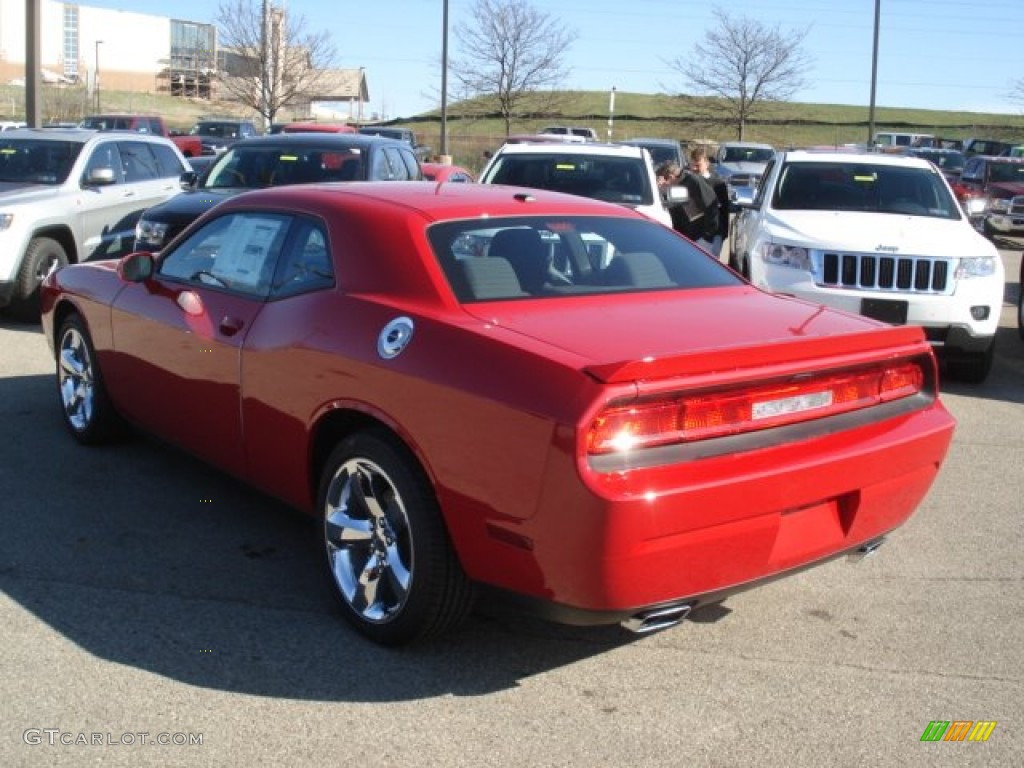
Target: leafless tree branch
268 73
744 66
509 51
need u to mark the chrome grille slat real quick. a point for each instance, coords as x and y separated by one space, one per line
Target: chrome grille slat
870 271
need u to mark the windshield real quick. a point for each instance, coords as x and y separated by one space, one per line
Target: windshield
615 179
1006 172
748 155
266 166
946 159
37 162
540 257
833 186
220 130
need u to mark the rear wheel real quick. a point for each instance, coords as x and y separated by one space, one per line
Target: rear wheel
42 255
388 552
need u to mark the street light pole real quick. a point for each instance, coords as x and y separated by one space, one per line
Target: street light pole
874 76
96 76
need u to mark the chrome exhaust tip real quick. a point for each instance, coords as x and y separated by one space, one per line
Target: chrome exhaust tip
658 618
866 550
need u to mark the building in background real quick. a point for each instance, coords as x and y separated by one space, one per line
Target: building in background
127 51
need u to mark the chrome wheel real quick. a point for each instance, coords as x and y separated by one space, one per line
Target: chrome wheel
369 540
75 378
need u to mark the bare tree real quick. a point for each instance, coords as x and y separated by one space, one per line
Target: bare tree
742 66
510 52
271 61
1017 91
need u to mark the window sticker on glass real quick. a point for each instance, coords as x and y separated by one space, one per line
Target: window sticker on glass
245 250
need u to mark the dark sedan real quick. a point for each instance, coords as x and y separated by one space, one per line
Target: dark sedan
276 160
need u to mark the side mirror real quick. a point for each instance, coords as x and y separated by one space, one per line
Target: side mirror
188 180
136 267
100 177
675 195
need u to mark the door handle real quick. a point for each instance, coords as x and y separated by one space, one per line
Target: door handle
229 326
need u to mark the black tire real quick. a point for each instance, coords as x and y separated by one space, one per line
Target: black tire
972 368
42 254
1020 313
88 413
388 554
1020 300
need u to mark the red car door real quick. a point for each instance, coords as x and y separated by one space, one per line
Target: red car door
178 336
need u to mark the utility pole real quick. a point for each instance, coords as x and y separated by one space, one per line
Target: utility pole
96 76
444 80
874 76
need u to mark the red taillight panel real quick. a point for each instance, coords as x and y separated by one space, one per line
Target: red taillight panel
699 416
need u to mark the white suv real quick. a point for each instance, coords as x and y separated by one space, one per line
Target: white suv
880 235
71 195
613 172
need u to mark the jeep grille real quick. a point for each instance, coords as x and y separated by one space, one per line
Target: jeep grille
1016 206
869 271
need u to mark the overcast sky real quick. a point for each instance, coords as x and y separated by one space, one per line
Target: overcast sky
933 54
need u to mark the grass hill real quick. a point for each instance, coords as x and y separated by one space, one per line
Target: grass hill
474 126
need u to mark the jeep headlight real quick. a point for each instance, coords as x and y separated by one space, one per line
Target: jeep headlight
786 256
975 205
6 219
981 266
999 205
151 232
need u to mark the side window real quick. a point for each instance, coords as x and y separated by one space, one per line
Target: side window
168 164
306 263
762 184
106 156
971 169
398 170
138 162
412 165
237 252
379 168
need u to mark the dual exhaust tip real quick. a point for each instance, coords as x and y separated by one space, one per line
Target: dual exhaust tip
670 615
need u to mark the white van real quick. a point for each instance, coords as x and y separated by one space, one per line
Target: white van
886 139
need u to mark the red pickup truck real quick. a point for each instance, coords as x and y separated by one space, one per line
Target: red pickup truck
190 146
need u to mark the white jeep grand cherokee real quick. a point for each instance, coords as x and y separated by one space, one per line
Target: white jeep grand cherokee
878 235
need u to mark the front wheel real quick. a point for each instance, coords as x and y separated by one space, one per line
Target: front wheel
388 552
87 411
42 255
973 368
1020 309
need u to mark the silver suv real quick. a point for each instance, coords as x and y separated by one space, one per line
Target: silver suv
71 195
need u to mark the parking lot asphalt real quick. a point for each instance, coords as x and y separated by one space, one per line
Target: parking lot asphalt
147 598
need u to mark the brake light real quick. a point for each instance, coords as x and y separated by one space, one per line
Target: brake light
702 416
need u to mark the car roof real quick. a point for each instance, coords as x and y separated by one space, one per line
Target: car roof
432 201
81 135
750 144
867 158
570 148
643 140
318 139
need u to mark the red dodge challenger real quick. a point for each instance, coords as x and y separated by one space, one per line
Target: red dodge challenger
490 387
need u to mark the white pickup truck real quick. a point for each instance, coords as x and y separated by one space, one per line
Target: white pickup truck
879 235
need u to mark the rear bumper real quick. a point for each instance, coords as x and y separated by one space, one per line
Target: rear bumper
711 527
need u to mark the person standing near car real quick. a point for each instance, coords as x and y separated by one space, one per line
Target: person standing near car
713 227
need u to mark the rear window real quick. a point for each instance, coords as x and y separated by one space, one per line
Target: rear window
830 186
539 257
615 179
254 167
37 162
